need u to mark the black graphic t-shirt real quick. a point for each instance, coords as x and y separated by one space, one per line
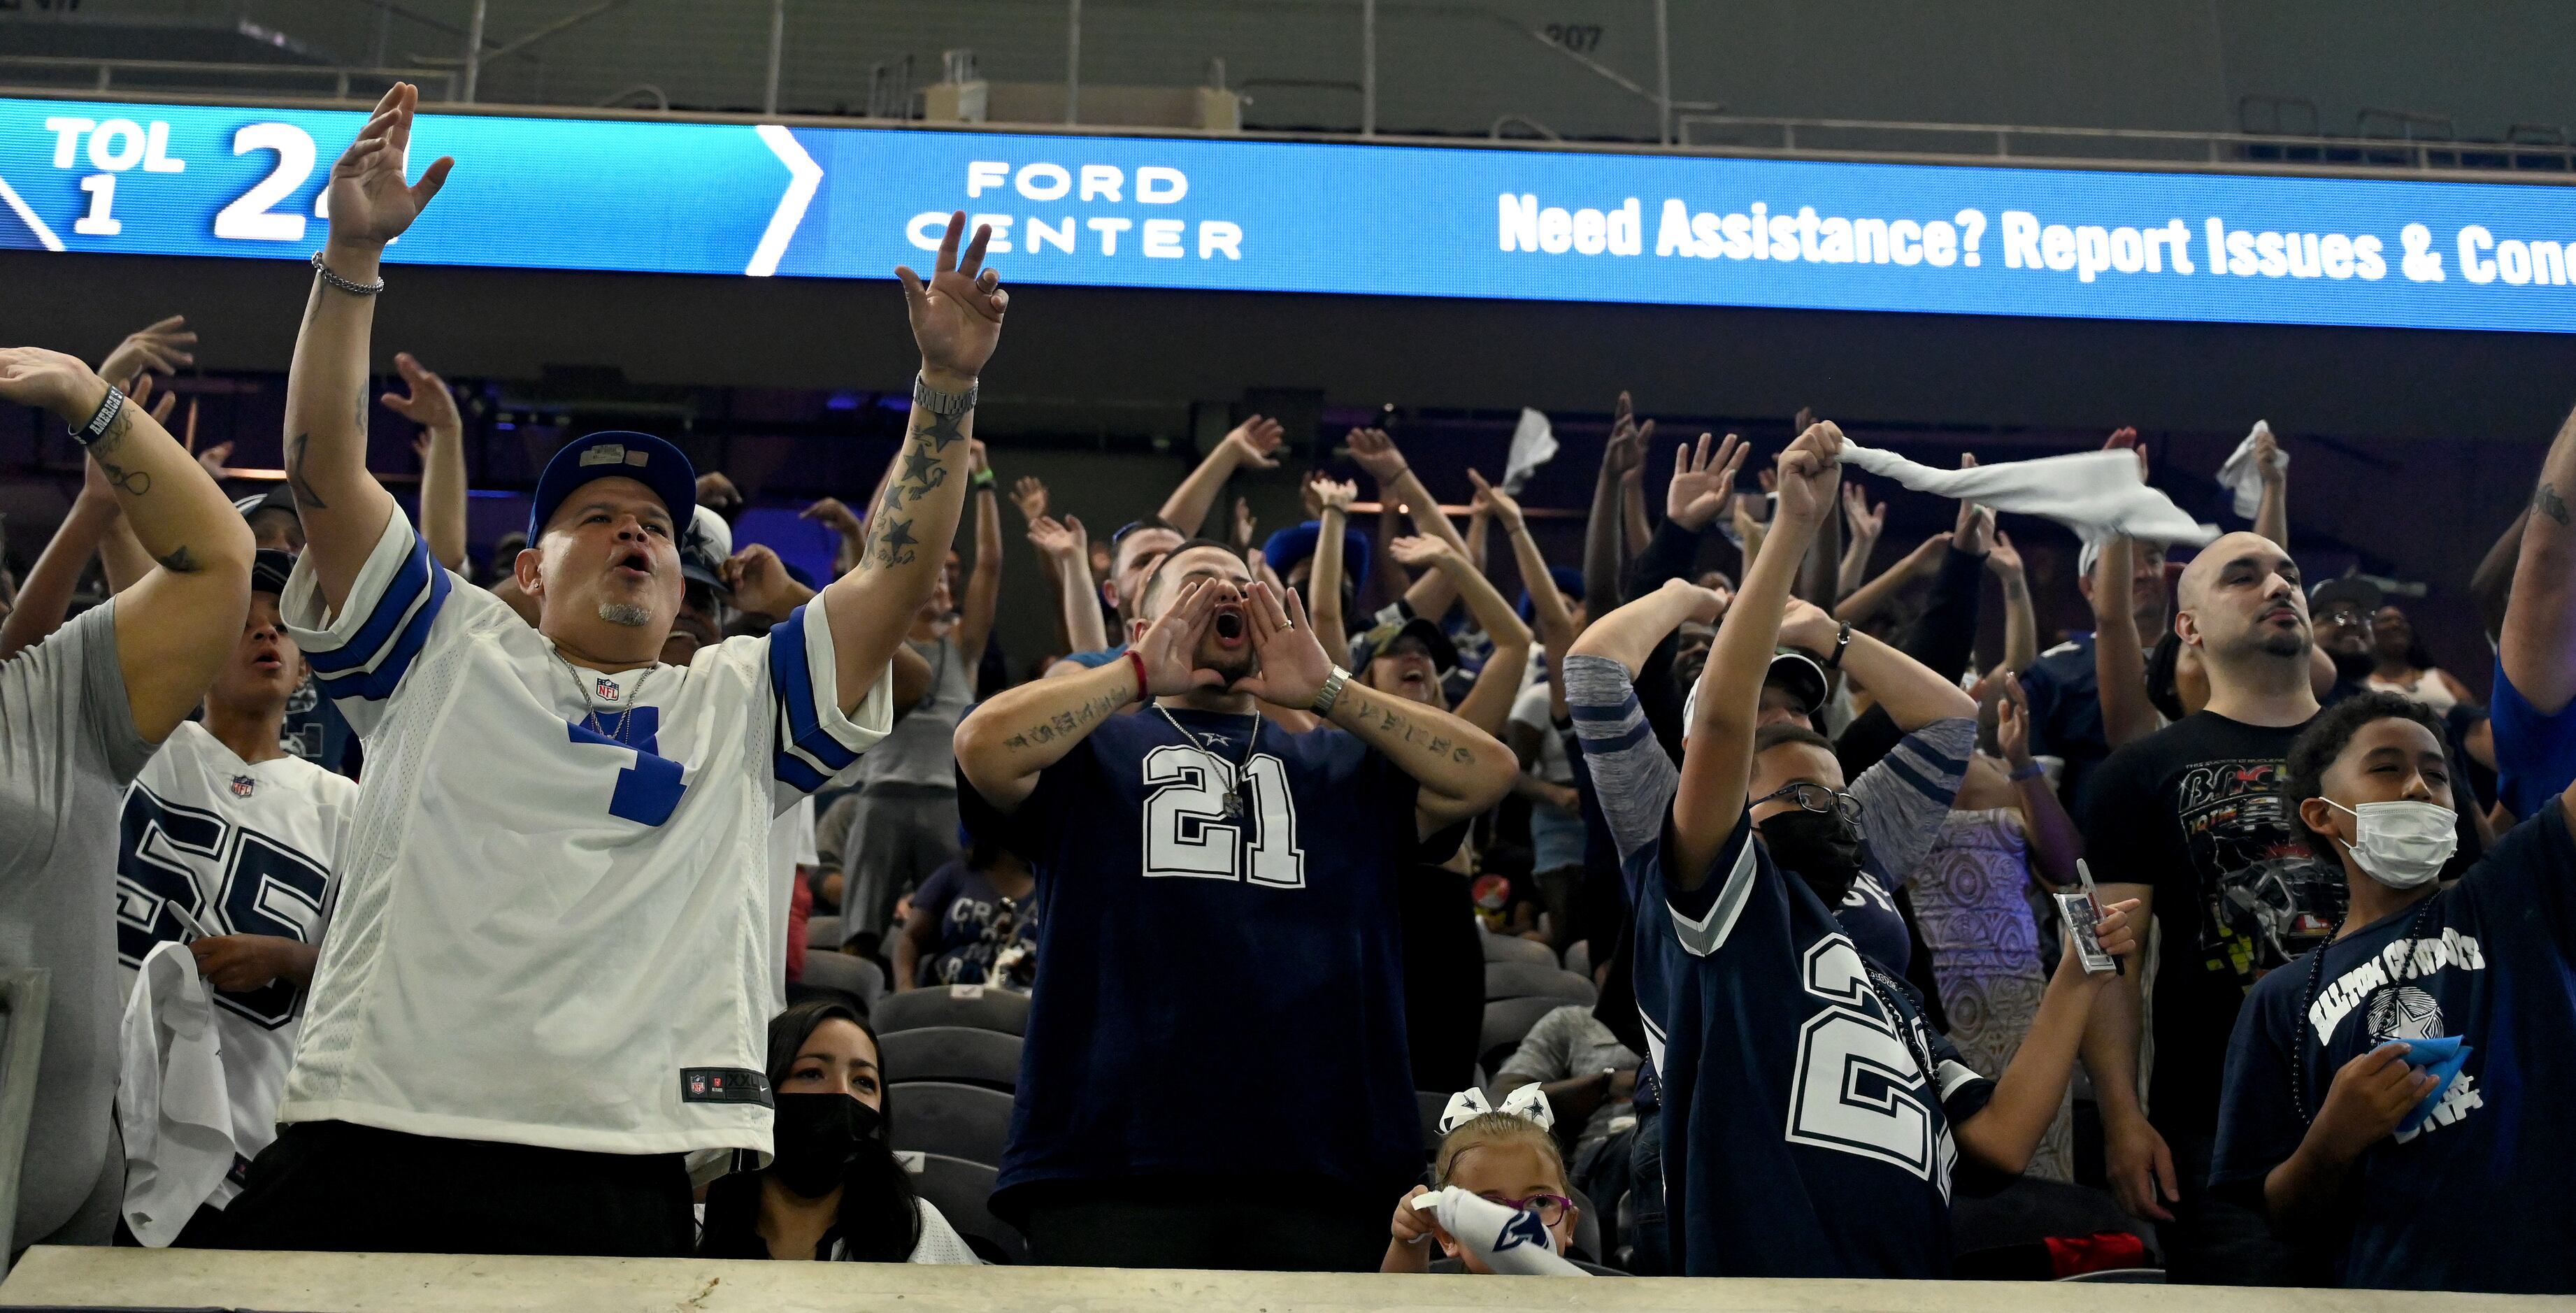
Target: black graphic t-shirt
975 927
2194 811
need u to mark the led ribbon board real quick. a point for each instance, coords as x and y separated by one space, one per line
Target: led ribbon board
1259 216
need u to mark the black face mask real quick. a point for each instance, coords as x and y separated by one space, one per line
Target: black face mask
1822 847
818 1138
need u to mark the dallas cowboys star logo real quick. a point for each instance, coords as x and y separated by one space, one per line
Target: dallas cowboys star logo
898 535
941 429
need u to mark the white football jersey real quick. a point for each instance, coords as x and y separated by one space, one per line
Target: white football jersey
210 844
554 923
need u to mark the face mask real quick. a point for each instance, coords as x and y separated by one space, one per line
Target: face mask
2401 844
1821 847
817 1137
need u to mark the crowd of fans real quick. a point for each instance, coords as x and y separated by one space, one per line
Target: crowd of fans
1709 909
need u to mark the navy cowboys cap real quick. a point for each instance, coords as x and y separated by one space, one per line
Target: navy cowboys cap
270 569
639 456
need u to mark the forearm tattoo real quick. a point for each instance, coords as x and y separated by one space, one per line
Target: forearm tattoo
892 542
2549 503
133 483
1064 724
1391 721
296 483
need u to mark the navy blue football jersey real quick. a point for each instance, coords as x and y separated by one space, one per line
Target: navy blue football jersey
1803 1135
2467 1197
1217 994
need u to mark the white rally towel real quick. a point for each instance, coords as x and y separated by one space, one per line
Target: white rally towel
1533 445
2239 475
1513 1243
2098 494
171 1100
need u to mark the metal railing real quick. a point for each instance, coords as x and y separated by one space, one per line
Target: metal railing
100 74
2008 141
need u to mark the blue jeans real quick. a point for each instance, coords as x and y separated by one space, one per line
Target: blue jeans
1650 1245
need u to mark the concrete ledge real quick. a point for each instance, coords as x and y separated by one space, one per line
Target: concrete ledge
393 1283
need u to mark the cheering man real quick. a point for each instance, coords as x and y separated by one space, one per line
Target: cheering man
547 972
1216 1072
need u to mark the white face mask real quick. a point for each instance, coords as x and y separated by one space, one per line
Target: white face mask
2401 844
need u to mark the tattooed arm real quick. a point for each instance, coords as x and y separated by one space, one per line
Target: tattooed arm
2537 649
343 508
957 321
178 624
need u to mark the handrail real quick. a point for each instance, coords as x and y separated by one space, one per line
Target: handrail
2423 152
339 73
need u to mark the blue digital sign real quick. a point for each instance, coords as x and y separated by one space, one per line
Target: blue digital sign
1259 216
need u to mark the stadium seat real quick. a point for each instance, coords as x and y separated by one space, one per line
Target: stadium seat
961 1121
1528 980
959 1189
1578 958
964 1054
1587 1229
857 977
1506 1021
823 932
953 1005
1513 948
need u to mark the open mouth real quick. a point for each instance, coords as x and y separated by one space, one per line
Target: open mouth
1229 626
267 663
632 565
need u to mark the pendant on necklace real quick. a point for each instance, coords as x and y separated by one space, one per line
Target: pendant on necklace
1233 804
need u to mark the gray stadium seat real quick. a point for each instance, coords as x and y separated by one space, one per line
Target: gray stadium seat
1530 980
823 932
1513 948
1506 1022
857 977
961 1121
1587 1229
963 1054
1578 958
953 1005
960 1190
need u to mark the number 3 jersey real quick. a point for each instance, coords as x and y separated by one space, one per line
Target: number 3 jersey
1802 1134
554 924
208 845
1213 985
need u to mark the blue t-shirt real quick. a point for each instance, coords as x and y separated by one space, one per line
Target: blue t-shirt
1095 660
1802 1135
1216 996
972 924
2065 693
2472 1198
2535 755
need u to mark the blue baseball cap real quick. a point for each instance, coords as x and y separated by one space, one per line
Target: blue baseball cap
1297 542
616 454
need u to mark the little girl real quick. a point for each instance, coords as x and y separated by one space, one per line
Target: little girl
1506 1157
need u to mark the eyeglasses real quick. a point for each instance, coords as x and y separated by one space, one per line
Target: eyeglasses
1815 798
1549 1207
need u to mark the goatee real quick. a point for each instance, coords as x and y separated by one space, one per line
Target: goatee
627 614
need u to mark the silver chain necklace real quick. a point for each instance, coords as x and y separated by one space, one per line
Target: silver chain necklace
590 717
1235 804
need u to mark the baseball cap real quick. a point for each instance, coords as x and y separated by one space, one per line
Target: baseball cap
704 548
277 498
1792 668
617 454
1569 585
269 569
1366 647
1297 542
2350 588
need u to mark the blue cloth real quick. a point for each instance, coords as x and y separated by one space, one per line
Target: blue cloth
1569 585
314 729
2535 755
2467 1199
1095 660
2066 714
1297 542
1802 1135
1221 975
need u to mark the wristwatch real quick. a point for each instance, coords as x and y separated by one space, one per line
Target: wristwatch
943 404
1330 693
1842 640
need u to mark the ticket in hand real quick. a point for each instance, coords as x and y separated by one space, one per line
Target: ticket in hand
2083 912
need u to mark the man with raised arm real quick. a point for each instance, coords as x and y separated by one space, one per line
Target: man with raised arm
80 713
553 951
1221 912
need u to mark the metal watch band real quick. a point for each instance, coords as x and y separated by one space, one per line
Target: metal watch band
1331 692
330 279
943 404
96 428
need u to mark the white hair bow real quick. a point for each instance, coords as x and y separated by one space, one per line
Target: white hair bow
1528 1102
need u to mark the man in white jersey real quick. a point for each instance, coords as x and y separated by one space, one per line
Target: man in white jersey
550 960
228 844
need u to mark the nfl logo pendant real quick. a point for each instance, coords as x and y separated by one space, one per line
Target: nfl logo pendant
607 689
243 785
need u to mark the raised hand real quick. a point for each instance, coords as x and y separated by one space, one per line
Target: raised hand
1170 645
1375 452
2268 464
1708 605
760 582
2012 723
1245 526
212 459
1809 472
2126 437
369 201
1064 540
957 315
50 380
430 404
2002 558
141 395
975 460
1505 509
1293 664
1864 522
1324 493
1423 552
1976 524
1254 442
1030 495
831 513
717 493
160 349
1702 482
1805 624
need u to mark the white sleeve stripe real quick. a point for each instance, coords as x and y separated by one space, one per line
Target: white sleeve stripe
385 650
1708 934
1954 1075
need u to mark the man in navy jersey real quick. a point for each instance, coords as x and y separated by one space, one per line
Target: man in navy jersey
1216 1072
1811 1118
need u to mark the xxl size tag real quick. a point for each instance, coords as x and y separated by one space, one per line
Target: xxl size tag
724 1085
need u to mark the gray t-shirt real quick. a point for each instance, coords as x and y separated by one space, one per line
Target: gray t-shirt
68 748
922 750
1571 1042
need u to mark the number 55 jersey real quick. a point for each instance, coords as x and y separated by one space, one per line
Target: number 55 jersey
554 923
1807 1107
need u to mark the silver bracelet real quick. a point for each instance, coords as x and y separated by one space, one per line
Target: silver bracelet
946 405
1330 693
96 428
330 279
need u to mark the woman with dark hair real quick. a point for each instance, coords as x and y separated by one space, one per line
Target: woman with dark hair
2389 1097
833 1191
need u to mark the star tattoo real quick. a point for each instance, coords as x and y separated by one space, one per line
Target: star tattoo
940 429
895 547
939 475
917 465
